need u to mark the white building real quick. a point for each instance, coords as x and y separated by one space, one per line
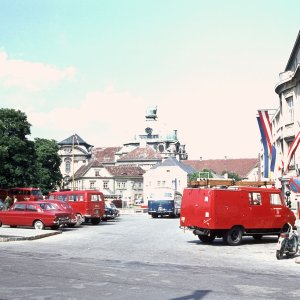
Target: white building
170 173
286 119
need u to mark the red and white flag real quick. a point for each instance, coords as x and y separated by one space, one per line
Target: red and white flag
291 152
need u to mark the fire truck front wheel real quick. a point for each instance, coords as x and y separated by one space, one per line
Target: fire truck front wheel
233 236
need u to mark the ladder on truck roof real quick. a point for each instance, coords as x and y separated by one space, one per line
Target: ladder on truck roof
228 182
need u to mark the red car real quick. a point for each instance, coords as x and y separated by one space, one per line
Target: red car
38 214
64 206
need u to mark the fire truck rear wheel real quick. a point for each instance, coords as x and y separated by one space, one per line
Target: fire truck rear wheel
233 236
206 238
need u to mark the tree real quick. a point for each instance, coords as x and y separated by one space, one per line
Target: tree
17 154
47 166
232 175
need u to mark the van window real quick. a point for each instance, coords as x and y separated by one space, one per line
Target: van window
254 198
275 199
62 198
73 198
95 197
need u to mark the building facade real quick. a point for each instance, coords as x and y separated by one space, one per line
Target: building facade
285 120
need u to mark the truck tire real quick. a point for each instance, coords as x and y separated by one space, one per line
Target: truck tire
206 238
233 236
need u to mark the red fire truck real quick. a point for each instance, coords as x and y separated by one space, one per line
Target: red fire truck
22 194
231 212
88 205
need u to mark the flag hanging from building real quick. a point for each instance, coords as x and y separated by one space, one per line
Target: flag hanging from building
267 127
291 152
266 148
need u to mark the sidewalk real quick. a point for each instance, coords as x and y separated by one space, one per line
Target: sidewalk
8 234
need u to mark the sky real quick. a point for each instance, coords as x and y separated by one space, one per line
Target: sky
92 67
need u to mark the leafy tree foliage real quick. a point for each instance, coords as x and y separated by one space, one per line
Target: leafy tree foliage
47 171
24 163
233 175
17 153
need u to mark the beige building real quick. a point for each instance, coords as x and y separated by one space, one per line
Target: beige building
286 120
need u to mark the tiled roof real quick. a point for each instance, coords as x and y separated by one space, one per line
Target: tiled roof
83 169
105 154
240 166
141 154
126 171
76 139
172 161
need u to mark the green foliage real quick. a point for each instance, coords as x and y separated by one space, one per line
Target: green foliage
233 175
47 166
17 153
23 162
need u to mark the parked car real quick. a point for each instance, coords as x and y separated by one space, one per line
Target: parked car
64 206
37 214
111 212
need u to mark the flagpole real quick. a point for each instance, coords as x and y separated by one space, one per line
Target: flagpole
73 164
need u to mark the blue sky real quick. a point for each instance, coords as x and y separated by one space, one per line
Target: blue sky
93 67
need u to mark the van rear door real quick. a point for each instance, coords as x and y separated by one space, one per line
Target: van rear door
195 208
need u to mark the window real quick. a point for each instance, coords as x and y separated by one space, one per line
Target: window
121 185
158 183
19 207
92 184
105 185
275 199
31 207
290 105
62 197
68 166
95 198
254 198
97 173
73 198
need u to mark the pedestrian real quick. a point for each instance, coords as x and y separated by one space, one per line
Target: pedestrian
15 199
8 202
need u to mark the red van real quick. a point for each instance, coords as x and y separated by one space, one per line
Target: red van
233 212
88 205
22 194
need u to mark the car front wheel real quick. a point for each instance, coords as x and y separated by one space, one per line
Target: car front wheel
39 225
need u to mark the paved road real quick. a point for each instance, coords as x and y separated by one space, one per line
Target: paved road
138 257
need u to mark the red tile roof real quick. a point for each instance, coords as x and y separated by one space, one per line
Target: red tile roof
141 154
105 154
240 166
125 171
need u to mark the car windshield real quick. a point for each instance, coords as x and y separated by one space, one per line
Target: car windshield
108 205
47 206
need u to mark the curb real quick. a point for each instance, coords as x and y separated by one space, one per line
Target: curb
7 238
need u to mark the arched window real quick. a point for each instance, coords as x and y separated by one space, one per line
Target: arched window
68 166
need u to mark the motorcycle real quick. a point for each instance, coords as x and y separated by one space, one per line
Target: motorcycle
288 243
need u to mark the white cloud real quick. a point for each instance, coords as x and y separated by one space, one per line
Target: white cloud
31 76
104 118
